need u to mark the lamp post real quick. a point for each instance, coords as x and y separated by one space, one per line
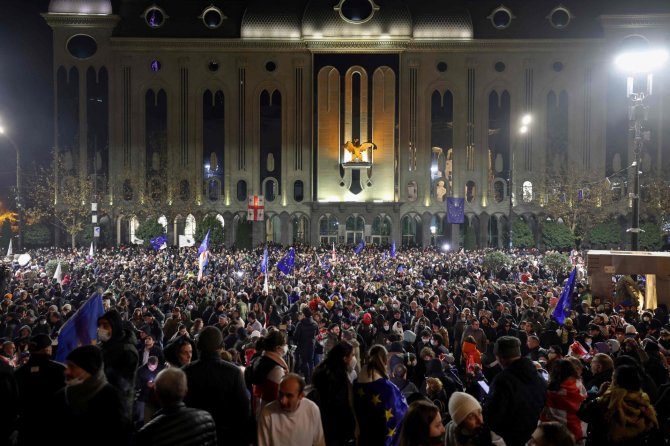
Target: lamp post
19 205
642 60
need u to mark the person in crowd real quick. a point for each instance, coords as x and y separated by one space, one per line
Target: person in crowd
291 419
268 369
88 406
622 413
149 349
517 394
145 399
175 424
304 338
378 404
602 367
218 387
564 398
399 378
551 433
120 356
422 425
333 394
180 351
38 380
467 427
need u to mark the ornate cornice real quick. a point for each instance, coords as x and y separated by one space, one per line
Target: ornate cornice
635 21
133 44
81 20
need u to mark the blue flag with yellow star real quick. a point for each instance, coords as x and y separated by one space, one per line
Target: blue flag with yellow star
380 407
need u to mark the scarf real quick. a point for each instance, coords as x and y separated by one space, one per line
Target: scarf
276 357
629 414
79 395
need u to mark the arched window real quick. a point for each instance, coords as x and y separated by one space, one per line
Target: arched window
300 229
412 191
498 191
189 229
409 230
134 224
273 229
184 190
437 234
213 189
381 230
355 228
298 191
328 229
242 190
470 191
527 195
270 190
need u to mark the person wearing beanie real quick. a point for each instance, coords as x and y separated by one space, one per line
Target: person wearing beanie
467 427
517 394
40 377
88 403
218 387
120 355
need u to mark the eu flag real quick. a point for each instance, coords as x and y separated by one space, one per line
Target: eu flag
360 247
159 242
455 210
285 265
203 255
81 328
564 304
264 262
393 251
204 246
380 407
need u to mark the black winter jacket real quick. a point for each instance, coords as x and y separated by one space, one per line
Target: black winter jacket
218 387
178 425
515 401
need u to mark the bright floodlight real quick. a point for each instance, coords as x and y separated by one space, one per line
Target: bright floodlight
446 247
240 273
2 130
433 229
523 129
644 61
527 119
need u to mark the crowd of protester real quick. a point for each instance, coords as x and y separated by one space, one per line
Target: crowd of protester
417 347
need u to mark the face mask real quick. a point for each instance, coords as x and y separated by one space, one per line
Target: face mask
74 381
104 335
425 340
284 350
434 343
352 363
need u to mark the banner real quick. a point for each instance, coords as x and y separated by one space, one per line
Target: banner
455 210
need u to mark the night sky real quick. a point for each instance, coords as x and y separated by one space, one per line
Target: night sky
26 91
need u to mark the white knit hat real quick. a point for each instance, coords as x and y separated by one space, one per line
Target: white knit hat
461 405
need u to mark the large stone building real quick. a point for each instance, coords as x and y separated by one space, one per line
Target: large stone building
182 108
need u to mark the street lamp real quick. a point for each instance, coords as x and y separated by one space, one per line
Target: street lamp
19 205
638 59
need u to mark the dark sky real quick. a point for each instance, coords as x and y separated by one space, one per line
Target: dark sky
26 90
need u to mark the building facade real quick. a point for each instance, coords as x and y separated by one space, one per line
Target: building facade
181 109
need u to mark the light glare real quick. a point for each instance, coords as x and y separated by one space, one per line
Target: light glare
641 61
